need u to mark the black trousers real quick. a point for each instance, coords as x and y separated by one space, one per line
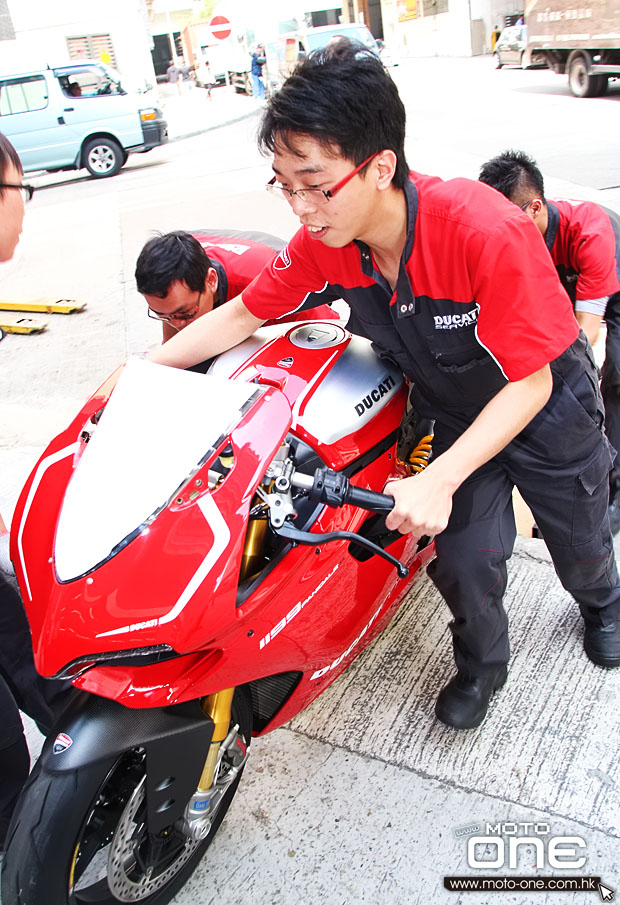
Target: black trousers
560 464
610 383
21 688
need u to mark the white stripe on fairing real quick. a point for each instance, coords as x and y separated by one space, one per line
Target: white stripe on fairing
43 466
315 379
221 537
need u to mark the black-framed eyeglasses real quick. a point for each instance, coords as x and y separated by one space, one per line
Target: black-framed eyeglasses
26 190
180 315
318 196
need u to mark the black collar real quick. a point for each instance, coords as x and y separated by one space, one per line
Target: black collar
553 222
405 298
222 283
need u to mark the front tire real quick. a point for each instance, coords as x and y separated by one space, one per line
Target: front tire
498 62
103 157
81 837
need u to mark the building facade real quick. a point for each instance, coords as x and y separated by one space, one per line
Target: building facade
38 33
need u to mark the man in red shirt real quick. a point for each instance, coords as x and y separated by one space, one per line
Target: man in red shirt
448 280
184 275
583 239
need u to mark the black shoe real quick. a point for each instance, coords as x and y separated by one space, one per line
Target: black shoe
463 703
602 644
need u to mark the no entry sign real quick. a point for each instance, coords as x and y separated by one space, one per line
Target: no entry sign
220 27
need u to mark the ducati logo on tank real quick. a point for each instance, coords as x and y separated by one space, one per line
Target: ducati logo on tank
383 388
61 743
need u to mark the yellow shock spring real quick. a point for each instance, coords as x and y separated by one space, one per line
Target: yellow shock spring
418 458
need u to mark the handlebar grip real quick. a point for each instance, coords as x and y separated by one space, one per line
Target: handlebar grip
370 499
335 489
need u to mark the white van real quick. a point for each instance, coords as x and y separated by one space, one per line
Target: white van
79 115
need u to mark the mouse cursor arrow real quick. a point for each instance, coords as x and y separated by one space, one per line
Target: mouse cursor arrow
607 894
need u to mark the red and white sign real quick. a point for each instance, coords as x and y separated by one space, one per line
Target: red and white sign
220 27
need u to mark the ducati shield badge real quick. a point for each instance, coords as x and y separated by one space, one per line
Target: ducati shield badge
283 260
61 743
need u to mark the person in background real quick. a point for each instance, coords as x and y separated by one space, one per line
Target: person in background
256 71
174 75
448 281
204 76
21 687
583 239
184 275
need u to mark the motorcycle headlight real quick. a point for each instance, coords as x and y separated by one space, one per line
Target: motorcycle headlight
137 656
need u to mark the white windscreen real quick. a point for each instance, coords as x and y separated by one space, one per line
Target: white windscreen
156 428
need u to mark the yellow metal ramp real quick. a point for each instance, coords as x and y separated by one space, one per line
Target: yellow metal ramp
43 305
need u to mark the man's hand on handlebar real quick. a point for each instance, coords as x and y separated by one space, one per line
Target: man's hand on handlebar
422 504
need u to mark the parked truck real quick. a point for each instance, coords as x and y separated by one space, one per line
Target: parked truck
582 41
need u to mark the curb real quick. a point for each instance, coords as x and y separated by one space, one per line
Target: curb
227 122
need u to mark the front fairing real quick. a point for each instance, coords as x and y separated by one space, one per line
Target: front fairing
120 543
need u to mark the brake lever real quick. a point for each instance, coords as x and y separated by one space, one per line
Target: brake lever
290 532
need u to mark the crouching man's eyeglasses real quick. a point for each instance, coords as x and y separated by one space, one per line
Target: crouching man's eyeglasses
180 315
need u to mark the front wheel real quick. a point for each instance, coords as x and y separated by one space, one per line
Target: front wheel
498 62
82 837
103 157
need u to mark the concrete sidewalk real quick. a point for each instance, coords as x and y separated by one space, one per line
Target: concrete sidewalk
193 112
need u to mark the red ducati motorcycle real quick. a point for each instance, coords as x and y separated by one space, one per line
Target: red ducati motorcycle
201 555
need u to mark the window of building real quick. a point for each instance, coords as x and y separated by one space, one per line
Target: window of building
23 95
92 47
7 31
433 7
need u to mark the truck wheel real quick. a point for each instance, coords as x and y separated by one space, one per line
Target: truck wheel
580 81
603 84
103 157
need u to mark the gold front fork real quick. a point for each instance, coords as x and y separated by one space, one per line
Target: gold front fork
217 707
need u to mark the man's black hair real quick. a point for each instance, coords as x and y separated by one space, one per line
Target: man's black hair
8 156
170 258
343 97
515 175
